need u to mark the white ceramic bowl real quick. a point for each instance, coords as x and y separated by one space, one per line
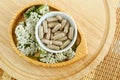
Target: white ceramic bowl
50 14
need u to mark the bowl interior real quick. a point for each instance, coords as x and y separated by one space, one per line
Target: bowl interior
68 18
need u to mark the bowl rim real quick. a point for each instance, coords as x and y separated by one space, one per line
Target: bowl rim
50 14
76 58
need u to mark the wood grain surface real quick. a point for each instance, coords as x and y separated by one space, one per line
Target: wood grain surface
97 20
1 73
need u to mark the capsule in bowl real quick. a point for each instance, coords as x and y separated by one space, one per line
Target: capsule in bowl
61 29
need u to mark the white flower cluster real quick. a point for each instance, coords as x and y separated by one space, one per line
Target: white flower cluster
44 9
52 58
25 33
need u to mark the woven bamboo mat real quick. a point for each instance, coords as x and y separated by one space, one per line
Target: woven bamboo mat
108 69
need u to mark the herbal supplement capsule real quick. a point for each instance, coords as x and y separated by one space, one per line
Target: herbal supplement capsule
70 34
66 28
52 24
58 32
64 21
56 28
48 34
41 33
53 47
58 43
63 39
46 41
65 44
45 27
58 36
51 36
51 19
59 17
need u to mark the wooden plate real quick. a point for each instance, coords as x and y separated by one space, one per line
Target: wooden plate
97 20
81 50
